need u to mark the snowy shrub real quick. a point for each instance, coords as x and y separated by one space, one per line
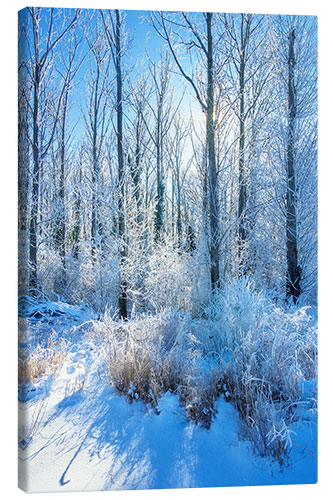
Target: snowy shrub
266 351
256 354
50 273
170 278
136 361
37 362
96 281
89 280
149 356
202 385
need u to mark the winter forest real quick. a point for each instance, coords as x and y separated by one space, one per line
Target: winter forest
167 248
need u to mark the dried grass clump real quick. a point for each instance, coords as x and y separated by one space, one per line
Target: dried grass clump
139 363
40 362
199 393
246 348
147 357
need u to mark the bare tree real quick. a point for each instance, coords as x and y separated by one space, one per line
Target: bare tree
71 62
179 167
244 38
162 111
114 25
97 118
23 159
140 92
203 42
297 64
294 274
39 66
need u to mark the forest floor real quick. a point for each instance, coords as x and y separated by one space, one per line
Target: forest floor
77 433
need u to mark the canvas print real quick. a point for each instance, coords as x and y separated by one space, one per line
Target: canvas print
167 174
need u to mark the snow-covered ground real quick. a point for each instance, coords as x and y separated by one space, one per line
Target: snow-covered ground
77 434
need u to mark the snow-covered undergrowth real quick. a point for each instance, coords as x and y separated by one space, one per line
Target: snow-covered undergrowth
269 355
262 357
44 339
149 356
36 362
227 397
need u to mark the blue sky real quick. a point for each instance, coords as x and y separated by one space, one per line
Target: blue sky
142 37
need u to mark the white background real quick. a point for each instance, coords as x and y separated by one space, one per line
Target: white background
8 238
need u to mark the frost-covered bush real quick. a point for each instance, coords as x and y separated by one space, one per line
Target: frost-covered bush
138 363
50 272
169 279
202 385
259 355
88 279
149 356
267 351
94 280
40 361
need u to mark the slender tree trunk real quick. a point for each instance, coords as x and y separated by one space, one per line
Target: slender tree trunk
159 210
293 272
35 179
179 220
62 222
205 210
95 167
121 173
23 188
242 233
135 172
172 206
77 217
212 175
242 171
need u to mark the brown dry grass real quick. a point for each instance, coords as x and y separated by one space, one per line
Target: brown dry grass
41 361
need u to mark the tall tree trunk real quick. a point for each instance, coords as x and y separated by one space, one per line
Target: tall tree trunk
212 174
159 209
95 167
293 272
62 221
121 176
242 199
40 62
35 177
23 188
172 206
179 220
77 216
